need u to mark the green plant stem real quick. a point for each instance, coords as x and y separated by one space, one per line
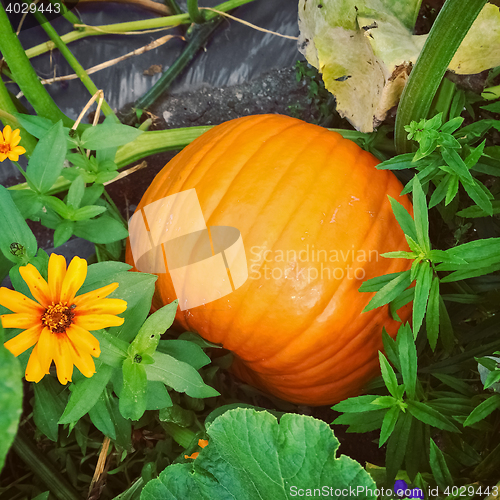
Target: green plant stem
194 13
118 28
42 467
25 75
115 208
199 37
448 31
173 6
7 108
72 61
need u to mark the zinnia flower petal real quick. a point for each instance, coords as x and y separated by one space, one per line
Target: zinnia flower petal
7 131
193 456
75 276
83 340
37 285
3 157
19 150
103 306
83 361
202 443
94 295
15 138
46 348
56 274
21 320
97 321
64 359
24 340
19 303
34 371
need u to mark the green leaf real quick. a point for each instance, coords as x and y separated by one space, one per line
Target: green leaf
63 232
88 212
177 415
390 419
178 375
430 416
157 396
475 212
359 404
390 291
28 202
362 422
439 467
47 160
397 445
399 162
250 456
150 332
103 230
404 219
480 194
58 206
36 125
186 351
11 398
375 284
17 241
452 190
483 410
49 406
113 349
453 160
386 401
432 319
391 349
390 380
408 358
422 289
440 191
85 394
105 136
421 216
133 396
76 192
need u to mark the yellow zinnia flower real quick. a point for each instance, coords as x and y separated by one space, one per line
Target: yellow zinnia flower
58 324
9 140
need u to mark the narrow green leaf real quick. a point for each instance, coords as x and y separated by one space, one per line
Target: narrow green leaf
63 232
452 189
47 160
359 404
178 375
390 291
390 380
439 467
399 162
404 219
85 394
430 416
390 419
391 349
76 192
88 212
106 136
150 332
475 212
422 289
453 160
49 406
480 195
186 351
421 215
133 396
483 410
440 191
375 284
432 318
362 422
408 358
386 401
397 445
103 230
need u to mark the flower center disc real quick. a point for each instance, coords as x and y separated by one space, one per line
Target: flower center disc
4 148
58 318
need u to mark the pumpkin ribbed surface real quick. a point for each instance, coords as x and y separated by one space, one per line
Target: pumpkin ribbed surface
314 216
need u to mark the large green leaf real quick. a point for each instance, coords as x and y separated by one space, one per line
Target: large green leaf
251 456
11 398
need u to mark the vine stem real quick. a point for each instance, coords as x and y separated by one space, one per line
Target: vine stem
25 75
448 31
72 61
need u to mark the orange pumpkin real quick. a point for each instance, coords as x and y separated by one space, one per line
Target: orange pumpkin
314 216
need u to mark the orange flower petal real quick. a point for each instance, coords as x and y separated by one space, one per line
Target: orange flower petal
24 340
64 359
46 348
56 274
18 150
75 276
83 340
21 320
12 156
103 306
3 157
15 137
202 443
37 285
193 456
34 371
2 139
97 321
83 361
94 295
19 303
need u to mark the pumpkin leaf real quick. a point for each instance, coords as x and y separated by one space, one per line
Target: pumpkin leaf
251 456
